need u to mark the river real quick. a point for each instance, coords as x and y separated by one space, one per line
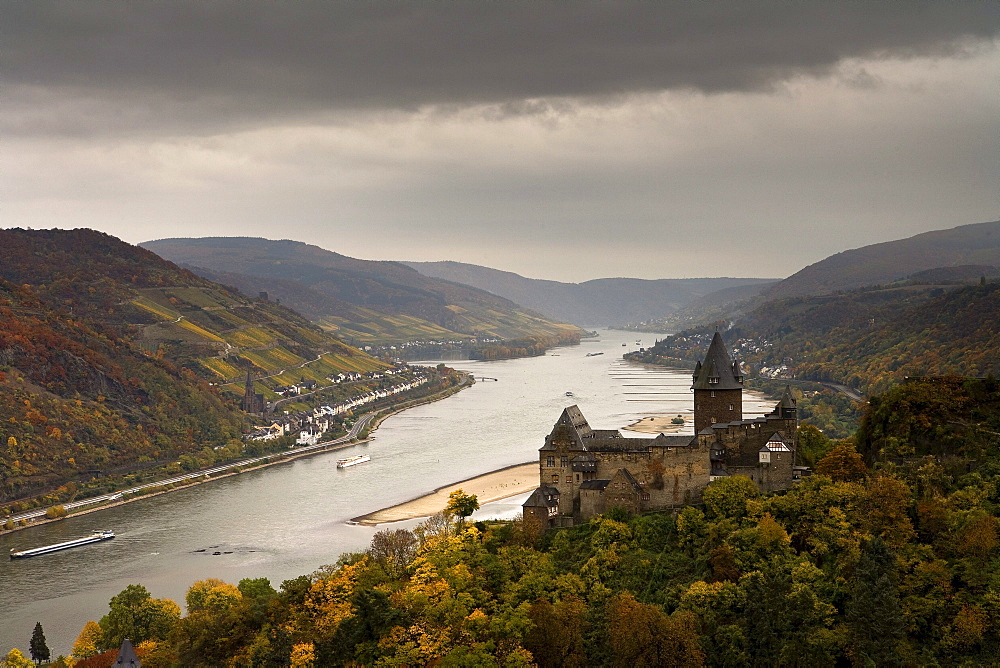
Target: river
290 519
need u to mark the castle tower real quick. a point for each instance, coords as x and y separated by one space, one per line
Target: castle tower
718 387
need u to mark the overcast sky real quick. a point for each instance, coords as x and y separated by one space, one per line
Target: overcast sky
562 140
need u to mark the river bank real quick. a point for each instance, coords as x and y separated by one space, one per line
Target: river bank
373 421
489 487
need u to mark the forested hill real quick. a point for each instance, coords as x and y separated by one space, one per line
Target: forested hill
600 302
892 562
869 339
365 301
890 261
107 351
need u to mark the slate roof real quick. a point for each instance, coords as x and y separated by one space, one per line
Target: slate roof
718 367
543 497
787 400
573 416
126 656
674 440
595 484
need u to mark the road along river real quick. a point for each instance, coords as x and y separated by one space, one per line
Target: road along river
290 519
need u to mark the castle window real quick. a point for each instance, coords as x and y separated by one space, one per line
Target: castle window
564 461
713 394
578 477
555 478
730 407
569 479
550 461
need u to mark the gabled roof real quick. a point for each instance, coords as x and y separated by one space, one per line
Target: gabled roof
775 444
573 417
594 484
718 371
543 497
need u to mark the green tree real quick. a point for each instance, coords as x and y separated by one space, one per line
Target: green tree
813 444
38 647
874 616
728 497
136 615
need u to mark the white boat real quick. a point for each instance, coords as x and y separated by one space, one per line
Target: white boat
569 394
95 537
351 461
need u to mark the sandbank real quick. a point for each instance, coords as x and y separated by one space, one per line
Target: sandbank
658 425
489 487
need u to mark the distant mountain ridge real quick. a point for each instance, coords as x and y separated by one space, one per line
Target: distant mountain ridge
364 300
599 302
886 262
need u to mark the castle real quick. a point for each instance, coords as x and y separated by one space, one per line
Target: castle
584 472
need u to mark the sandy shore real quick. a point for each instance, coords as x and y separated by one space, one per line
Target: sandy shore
493 486
658 425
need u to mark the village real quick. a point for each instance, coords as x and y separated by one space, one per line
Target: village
312 424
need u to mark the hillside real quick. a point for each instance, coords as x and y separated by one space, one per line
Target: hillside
868 338
77 400
107 353
600 302
887 262
364 301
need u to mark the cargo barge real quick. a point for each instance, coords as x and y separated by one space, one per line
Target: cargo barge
95 537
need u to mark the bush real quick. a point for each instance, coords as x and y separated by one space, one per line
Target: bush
55 512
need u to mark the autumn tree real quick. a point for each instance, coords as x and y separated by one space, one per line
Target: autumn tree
87 642
842 463
15 659
642 635
393 549
136 615
557 638
461 505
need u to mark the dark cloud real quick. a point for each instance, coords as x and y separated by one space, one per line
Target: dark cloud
253 59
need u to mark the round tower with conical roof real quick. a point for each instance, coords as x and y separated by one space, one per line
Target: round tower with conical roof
718 388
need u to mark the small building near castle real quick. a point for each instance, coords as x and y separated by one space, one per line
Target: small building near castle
584 472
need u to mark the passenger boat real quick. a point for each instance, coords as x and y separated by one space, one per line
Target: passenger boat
594 354
95 537
351 461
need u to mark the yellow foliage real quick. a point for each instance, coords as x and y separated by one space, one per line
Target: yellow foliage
86 643
213 595
329 599
303 655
